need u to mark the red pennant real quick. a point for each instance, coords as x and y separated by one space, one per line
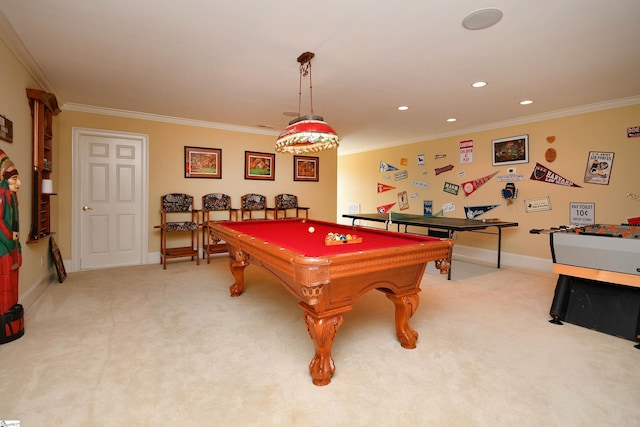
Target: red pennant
385 208
471 186
384 187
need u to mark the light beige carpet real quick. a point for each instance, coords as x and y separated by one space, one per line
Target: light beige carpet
143 346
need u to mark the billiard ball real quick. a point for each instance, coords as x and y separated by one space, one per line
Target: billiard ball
311 229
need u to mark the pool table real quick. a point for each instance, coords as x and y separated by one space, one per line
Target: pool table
327 279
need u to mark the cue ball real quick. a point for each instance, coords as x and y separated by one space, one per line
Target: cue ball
311 229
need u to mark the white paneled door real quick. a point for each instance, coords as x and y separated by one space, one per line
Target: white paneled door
109 218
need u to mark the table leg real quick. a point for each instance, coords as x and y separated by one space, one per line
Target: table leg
561 296
322 330
499 244
237 265
406 305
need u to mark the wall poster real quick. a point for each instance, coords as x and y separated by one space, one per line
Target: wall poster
403 201
466 151
599 166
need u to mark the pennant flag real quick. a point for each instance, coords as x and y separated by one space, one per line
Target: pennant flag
634 221
384 187
542 173
472 212
443 169
384 167
385 208
471 186
439 213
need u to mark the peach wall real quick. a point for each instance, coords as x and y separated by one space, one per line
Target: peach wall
166 170
14 105
358 176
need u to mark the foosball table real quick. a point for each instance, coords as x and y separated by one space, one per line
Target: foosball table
599 277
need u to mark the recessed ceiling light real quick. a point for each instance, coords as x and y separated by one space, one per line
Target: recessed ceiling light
452 119
479 84
403 108
526 102
481 19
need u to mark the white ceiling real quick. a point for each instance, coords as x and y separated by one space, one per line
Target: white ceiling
233 63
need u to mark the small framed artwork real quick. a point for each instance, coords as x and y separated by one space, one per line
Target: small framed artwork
200 162
57 260
598 169
306 168
509 151
6 129
259 165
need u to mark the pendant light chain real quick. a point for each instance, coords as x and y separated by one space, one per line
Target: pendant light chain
305 70
310 88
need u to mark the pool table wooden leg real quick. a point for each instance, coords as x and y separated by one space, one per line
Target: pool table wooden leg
406 305
322 330
237 265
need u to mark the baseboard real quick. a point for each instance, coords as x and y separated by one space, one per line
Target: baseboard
28 298
153 258
472 254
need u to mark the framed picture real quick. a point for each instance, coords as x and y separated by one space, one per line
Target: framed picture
57 260
6 129
200 162
259 165
306 168
509 151
598 169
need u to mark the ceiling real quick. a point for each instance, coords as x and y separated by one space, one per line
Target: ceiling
232 64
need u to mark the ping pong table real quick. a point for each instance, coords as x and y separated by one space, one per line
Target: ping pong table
437 226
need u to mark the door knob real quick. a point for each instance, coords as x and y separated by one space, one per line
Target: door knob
87 208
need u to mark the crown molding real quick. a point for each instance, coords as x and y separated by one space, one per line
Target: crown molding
165 119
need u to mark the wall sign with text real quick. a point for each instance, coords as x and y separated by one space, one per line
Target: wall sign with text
598 169
582 213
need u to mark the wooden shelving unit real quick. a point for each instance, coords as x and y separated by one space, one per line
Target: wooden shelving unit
44 106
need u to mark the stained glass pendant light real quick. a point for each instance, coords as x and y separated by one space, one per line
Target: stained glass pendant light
310 133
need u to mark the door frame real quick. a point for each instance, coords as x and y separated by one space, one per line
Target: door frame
77 134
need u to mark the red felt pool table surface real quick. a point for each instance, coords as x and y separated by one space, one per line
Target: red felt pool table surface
294 234
327 280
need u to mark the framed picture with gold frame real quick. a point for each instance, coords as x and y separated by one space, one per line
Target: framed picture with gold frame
259 165
201 162
306 168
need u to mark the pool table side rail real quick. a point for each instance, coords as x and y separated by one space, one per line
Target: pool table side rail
336 265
